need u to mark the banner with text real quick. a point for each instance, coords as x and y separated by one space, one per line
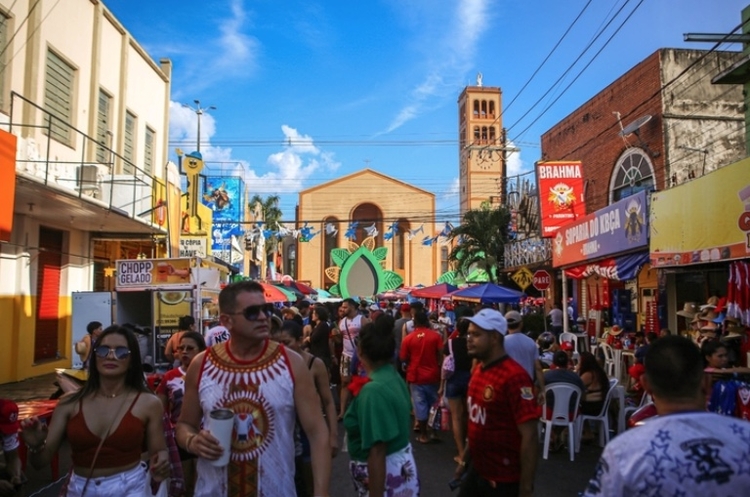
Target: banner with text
193 246
561 197
620 227
705 220
141 273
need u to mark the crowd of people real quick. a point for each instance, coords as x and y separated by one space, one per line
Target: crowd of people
290 377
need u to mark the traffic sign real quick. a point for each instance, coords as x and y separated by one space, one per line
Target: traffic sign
522 278
541 280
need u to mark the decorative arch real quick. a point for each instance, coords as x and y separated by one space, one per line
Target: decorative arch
633 172
367 214
476 108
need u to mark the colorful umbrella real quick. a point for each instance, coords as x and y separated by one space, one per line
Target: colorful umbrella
488 293
434 291
275 294
300 287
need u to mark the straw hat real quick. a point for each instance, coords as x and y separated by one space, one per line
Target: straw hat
709 327
711 304
689 310
616 330
735 332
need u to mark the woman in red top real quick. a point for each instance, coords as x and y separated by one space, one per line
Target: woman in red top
107 423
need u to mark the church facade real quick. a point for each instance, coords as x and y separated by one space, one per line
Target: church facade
375 209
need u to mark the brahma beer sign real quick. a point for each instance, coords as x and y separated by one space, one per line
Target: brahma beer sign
560 194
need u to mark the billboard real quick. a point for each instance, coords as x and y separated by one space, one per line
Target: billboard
561 197
705 220
617 228
225 196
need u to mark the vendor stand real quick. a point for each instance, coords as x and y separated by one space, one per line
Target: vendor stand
152 294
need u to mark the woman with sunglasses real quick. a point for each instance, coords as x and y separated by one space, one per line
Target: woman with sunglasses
107 424
171 390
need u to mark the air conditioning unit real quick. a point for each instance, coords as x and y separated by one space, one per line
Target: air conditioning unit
88 180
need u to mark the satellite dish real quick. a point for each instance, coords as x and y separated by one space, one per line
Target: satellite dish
635 125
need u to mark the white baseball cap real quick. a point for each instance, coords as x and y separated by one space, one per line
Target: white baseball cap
490 320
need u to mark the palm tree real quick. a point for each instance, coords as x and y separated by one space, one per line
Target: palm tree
480 241
271 214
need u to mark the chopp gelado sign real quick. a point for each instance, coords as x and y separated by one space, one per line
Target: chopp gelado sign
152 272
134 273
618 228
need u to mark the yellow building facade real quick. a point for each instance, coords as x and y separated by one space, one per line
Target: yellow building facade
396 214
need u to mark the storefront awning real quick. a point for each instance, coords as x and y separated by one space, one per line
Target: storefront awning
623 268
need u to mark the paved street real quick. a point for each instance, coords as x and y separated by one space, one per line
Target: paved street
557 477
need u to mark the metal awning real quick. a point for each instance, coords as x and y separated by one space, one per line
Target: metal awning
737 74
60 209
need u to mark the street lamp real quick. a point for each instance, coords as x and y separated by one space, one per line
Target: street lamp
199 112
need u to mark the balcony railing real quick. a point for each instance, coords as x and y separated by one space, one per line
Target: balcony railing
81 166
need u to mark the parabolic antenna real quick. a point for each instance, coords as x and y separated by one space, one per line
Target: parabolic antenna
635 125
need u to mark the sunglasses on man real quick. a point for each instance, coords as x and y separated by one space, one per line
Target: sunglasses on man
253 312
120 353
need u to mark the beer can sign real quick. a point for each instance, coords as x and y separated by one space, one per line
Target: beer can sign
541 280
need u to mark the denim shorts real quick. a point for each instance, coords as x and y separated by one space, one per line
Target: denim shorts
423 396
457 386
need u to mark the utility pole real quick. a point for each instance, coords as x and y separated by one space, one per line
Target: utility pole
199 112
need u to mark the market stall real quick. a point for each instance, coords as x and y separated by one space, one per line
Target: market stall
152 295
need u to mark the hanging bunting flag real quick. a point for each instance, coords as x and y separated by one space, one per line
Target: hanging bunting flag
447 229
413 233
391 232
372 230
331 229
351 231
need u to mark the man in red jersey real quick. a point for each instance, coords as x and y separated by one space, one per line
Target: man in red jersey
500 458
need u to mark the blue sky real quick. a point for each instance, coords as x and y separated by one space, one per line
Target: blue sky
307 91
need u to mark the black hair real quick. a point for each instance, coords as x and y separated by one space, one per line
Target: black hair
377 341
185 322
228 295
322 313
421 320
293 328
651 337
351 302
709 348
417 305
302 304
93 325
588 363
463 326
196 337
133 378
560 359
463 311
674 368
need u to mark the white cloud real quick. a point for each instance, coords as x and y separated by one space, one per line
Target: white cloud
453 57
298 160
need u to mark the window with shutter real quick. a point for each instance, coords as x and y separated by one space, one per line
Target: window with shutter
128 150
148 147
103 140
49 271
58 97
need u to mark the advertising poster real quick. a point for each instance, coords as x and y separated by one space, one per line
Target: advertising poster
170 306
139 273
560 194
224 195
193 246
618 228
705 220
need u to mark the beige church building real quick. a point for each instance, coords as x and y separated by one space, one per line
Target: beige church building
398 216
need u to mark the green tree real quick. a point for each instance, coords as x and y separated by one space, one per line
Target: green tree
479 241
270 214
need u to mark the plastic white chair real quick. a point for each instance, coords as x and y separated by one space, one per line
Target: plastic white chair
609 359
645 399
561 415
602 417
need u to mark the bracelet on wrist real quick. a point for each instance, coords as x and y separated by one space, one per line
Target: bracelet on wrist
31 449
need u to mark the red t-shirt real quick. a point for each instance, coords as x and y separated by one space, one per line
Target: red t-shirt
420 350
500 397
173 386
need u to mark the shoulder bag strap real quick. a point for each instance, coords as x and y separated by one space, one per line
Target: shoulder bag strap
101 442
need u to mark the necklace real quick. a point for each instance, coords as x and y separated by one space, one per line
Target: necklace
109 395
